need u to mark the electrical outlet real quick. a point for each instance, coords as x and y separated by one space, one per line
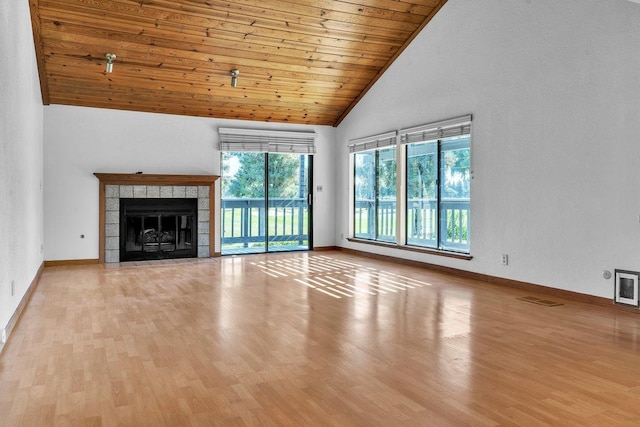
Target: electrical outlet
342 236
505 259
13 287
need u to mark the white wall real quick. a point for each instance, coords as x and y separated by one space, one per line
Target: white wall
324 208
80 141
554 89
20 157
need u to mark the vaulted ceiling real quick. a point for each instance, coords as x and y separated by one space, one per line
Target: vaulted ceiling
299 61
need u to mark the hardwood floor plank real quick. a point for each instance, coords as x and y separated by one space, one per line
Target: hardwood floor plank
264 340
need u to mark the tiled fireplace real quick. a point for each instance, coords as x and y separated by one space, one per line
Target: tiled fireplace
116 187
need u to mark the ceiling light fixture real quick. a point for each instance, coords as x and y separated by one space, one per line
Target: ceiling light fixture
108 67
234 77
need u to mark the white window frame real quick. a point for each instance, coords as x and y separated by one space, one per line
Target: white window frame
369 143
440 130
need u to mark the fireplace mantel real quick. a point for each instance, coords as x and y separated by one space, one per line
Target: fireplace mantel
154 179
141 179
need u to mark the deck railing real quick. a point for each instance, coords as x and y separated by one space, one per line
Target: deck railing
422 222
244 221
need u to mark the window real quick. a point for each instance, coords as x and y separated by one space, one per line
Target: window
434 209
438 184
422 194
438 193
375 196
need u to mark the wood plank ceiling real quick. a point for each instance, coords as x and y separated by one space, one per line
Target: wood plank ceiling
300 61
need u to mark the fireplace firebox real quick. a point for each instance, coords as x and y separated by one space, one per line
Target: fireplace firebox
158 229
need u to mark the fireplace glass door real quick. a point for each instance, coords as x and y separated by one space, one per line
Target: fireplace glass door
158 229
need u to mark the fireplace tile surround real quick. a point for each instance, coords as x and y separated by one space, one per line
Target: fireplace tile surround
113 194
113 187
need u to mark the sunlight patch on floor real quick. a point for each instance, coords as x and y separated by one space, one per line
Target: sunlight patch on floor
338 278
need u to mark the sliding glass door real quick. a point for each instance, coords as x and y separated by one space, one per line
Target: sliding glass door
265 203
287 192
243 202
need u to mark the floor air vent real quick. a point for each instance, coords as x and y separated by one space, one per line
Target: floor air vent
539 301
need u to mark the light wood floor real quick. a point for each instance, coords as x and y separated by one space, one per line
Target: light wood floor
311 339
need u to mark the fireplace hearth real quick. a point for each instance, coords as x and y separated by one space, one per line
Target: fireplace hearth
158 229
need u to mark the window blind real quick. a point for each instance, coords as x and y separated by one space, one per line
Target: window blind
444 129
267 141
372 142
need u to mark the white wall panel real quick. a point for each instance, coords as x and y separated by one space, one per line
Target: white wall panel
20 158
80 141
554 89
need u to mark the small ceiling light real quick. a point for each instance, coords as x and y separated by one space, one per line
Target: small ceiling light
234 77
108 67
